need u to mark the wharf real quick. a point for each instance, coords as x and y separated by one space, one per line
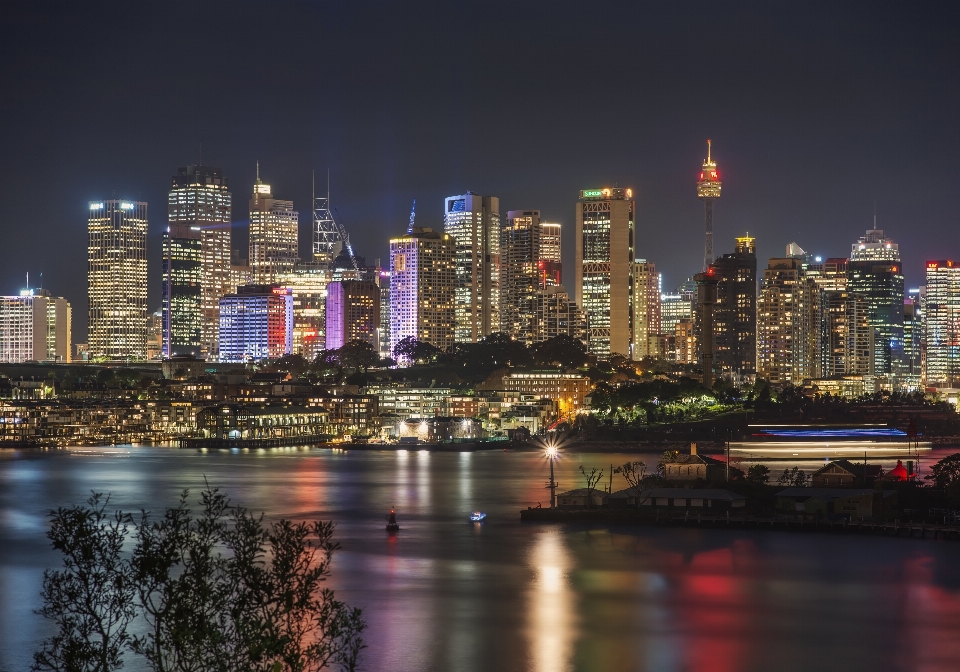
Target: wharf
267 442
895 528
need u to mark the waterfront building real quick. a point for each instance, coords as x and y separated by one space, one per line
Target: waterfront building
473 221
308 281
874 272
409 401
942 320
352 313
735 315
274 240
567 389
604 263
181 293
117 280
35 326
423 288
788 323
646 309
199 207
554 314
256 323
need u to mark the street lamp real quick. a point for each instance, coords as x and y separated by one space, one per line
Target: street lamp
551 454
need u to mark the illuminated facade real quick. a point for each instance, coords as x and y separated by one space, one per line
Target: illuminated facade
182 305
256 323
308 282
35 327
567 389
788 324
520 244
352 313
273 236
875 273
942 323
735 315
117 280
708 190
555 314
604 263
473 222
848 338
199 205
423 277
646 309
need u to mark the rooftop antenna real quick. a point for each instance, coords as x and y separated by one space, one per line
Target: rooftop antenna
413 214
708 150
28 279
258 172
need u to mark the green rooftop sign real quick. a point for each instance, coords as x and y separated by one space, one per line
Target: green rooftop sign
590 193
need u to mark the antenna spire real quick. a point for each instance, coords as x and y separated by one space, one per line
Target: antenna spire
413 214
708 150
258 172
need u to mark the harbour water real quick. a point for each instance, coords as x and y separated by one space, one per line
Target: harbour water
447 594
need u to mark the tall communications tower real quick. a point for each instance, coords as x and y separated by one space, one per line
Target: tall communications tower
325 234
708 189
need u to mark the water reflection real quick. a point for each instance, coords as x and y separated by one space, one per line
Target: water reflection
551 609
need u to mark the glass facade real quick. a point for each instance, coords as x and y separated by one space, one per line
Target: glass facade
473 222
942 324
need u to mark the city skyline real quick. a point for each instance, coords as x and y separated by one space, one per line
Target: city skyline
797 166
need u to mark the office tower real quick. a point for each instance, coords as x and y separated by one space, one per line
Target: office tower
554 314
847 338
912 374
942 321
352 313
182 305
308 281
522 265
874 272
788 323
550 265
117 280
199 207
384 342
646 309
35 326
676 307
273 235
604 262
706 301
473 221
685 342
155 335
423 277
735 315
256 323
708 190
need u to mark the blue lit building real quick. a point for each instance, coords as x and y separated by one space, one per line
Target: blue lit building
256 323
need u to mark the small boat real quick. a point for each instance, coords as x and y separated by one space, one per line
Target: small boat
477 516
392 524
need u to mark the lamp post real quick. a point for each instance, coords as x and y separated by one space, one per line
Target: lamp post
551 456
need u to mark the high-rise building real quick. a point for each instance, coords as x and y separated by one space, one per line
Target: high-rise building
708 190
274 228
646 309
423 277
550 265
788 323
473 222
912 373
182 305
681 305
256 323
308 281
942 322
384 343
200 205
847 338
35 326
117 280
874 272
352 313
604 263
522 266
554 314
735 315
155 335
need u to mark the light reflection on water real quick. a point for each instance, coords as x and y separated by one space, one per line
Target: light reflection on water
446 594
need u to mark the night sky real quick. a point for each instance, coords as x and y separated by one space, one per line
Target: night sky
818 114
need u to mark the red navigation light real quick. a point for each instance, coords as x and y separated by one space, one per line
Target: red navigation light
894 269
540 264
710 271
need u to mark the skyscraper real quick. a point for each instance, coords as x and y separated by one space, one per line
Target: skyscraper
423 277
554 314
708 190
199 207
735 315
117 280
875 273
646 308
788 323
520 246
308 281
182 304
942 321
352 313
273 235
473 222
256 323
35 326
604 263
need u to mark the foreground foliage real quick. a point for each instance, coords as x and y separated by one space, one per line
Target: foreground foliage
218 590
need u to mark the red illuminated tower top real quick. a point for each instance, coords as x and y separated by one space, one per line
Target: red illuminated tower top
708 189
